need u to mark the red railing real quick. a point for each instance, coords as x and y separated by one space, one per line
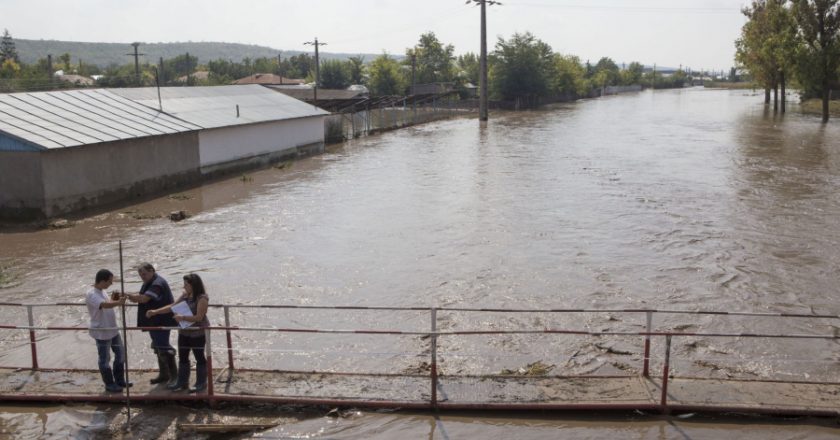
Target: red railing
434 333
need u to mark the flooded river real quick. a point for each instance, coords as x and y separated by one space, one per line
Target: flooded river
689 199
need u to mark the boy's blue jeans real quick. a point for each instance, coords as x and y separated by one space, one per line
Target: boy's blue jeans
105 347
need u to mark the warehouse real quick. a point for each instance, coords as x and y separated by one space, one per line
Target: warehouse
66 151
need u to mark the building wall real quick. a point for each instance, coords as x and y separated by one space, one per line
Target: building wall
21 186
94 175
279 138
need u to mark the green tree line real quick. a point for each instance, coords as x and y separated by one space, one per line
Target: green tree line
521 68
792 40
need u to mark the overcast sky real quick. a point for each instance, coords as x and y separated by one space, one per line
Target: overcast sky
692 33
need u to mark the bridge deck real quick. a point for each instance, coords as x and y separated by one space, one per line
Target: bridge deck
453 392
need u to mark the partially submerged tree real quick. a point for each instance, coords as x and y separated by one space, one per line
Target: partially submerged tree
819 25
522 67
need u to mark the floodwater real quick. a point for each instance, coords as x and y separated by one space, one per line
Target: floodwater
689 199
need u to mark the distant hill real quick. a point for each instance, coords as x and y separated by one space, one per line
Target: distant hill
103 54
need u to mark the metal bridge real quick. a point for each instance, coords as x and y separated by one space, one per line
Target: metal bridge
653 385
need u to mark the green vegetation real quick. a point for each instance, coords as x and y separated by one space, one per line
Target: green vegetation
523 70
6 276
385 77
792 39
742 85
814 106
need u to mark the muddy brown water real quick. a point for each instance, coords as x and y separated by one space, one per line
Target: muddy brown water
692 199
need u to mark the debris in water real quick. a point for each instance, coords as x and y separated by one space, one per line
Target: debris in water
336 413
177 216
246 178
60 223
181 197
537 368
224 427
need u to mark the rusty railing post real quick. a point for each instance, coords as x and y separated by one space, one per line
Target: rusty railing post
646 369
434 357
229 339
208 349
32 343
665 371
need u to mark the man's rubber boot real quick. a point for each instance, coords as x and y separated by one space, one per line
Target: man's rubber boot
163 370
172 367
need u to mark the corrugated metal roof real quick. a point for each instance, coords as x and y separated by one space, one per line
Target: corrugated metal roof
214 107
77 117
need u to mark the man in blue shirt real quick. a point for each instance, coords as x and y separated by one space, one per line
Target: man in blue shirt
154 294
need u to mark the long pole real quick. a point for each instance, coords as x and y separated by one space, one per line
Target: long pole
317 68
482 81
125 344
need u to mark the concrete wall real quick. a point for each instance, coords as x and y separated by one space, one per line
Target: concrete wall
231 144
21 186
93 175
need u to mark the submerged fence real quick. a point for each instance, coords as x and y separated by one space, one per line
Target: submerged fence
661 373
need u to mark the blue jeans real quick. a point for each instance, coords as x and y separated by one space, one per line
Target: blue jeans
105 347
160 341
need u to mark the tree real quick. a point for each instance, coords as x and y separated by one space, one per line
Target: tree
569 77
334 75
386 77
356 69
608 72
521 67
768 46
7 48
9 69
750 52
65 59
433 60
468 64
819 25
633 74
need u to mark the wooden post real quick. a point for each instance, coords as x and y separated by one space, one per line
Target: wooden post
665 371
646 369
229 338
32 344
434 357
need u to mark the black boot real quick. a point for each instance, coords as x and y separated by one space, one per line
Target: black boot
200 378
172 367
183 382
163 370
108 378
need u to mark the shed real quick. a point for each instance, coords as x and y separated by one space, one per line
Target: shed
240 124
65 151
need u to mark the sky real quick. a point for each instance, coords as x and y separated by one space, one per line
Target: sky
699 34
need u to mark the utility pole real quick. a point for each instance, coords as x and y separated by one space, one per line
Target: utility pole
161 78
482 76
317 67
136 56
413 70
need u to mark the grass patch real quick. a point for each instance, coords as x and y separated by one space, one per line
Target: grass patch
730 85
814 106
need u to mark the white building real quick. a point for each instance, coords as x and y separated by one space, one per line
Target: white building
65 151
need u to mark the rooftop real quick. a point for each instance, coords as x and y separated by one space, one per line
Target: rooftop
47 120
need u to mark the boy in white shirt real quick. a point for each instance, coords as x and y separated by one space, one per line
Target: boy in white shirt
103 328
